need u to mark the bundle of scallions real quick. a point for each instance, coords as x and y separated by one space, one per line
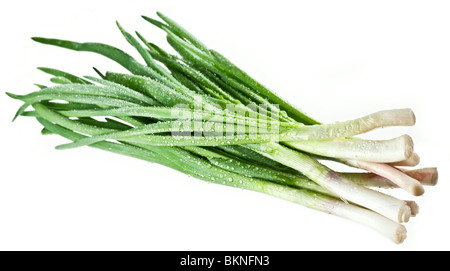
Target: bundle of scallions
200 114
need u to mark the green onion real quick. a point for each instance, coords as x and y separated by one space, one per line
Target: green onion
200 114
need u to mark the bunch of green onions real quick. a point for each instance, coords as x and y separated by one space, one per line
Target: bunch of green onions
198 113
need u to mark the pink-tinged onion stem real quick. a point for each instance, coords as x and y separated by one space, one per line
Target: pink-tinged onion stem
391 173
426 176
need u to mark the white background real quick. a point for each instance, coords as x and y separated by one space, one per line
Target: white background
336 60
